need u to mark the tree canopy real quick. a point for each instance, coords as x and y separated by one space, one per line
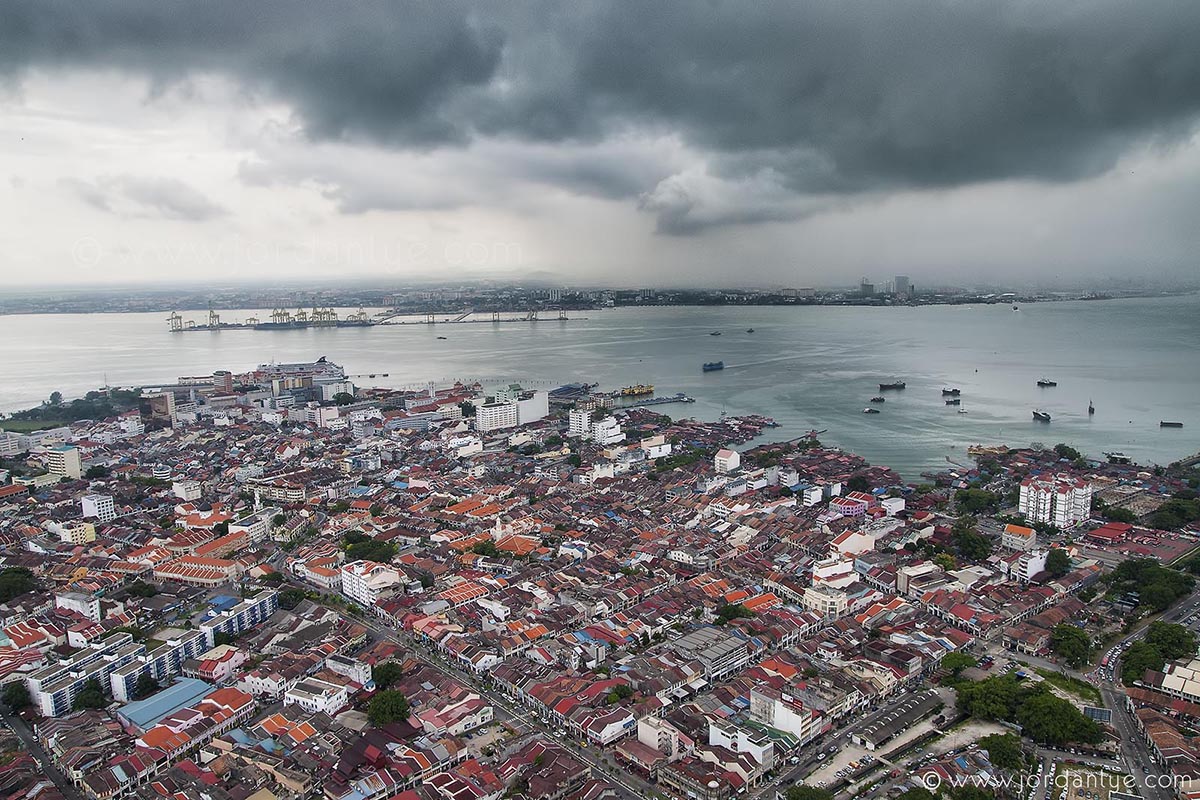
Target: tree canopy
386 674
1071 643
387 706
1043 716
15 581
1058 563
1004 750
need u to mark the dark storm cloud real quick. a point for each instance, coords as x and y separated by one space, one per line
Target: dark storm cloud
166 198
831 97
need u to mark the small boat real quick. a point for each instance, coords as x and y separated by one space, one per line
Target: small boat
883 387
1091 408
951 392
878 398
870 410
953 401
1117 458
1014 306
715 333
713 366
1046 382
372 375
749 330
1041 416
962 411
1164 424
441 337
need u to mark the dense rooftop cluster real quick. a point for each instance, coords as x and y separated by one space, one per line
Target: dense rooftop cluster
273 585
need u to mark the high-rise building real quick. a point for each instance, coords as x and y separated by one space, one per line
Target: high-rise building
64 461
98 506
1059 500
902 286
866 288
223 381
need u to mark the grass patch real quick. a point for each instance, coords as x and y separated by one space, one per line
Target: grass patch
29 425
1081 689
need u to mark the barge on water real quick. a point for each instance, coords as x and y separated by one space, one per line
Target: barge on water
883 387
1165 424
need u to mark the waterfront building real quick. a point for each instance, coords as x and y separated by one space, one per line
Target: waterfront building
495 416
1058 500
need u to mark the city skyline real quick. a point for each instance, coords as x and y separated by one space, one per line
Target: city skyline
803 145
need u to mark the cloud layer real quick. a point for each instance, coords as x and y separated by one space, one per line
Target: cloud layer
707 117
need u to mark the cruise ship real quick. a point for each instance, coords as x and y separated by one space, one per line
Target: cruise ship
321 368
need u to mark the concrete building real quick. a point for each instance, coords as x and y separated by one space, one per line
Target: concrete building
53 688
664 737
726 460
1018 537
77 532
245 615
317 696
98 506
65 462
365 582
496 416
162 663
579 423
1060 500
187 491
720 653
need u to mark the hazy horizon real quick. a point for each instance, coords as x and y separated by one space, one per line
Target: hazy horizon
605 144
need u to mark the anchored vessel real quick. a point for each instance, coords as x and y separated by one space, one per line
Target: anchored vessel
883 387
1046 382
713 366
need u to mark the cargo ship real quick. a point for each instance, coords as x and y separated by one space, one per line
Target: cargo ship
953 401
1041 416
638 390
1046 383
951 392
713 366
1164 424
883 387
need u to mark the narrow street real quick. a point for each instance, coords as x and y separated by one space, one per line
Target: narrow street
48 768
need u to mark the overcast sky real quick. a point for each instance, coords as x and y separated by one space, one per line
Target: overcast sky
659 143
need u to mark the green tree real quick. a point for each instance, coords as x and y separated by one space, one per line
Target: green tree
945 561
972 545
802 791
954 663
975 501
387 706
15 581
1049 719
371 550
386 674
16 695
858 483
575 459
1171 641
343 398
145 686
1067 452
487 547
733 611
91 696
467 408
141 589
1004 750
96 472
290 598
1071 644
1058 563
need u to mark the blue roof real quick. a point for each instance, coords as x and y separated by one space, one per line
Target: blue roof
223 602
182 693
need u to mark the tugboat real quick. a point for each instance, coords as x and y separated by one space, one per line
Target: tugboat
1046 383
953 401
878 398
1041 416
951 392
1164 424
870 410
713 366
883 387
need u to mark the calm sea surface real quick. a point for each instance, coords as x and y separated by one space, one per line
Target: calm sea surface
809 367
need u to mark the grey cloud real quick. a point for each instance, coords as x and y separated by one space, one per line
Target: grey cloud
130 195
845 98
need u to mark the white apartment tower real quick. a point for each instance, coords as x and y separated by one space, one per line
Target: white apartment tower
1060 500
